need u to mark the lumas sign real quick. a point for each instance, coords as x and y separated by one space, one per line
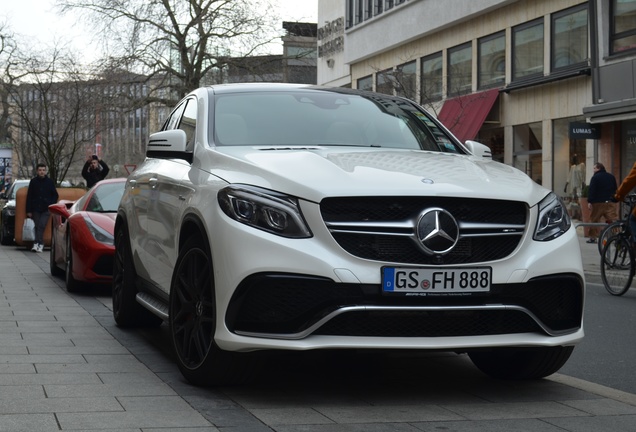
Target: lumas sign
580 130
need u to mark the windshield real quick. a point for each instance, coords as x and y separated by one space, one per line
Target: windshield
325 118
15 188
105 198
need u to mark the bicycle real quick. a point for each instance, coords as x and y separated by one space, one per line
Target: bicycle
617 261
613 228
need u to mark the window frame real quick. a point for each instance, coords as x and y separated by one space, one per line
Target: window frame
465 86
561 14
480 41
399 74
521 27
614 36
368 78
387 81
433 58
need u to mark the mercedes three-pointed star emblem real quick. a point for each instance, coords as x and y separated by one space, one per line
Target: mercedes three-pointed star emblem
437 231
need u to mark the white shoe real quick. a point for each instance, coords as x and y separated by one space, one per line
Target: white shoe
40 248
34 248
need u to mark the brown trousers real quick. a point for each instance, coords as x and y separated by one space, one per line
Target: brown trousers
606 211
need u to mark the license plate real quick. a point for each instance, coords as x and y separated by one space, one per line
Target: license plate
436 281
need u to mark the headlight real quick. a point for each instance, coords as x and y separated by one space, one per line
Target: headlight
266 210
10 211
99 233
553 219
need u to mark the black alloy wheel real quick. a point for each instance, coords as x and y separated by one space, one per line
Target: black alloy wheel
55 270
72 285
193 321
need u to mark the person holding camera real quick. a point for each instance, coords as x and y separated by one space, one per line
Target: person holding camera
95 169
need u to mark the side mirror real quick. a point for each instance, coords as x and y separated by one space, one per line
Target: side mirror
170 144
479 149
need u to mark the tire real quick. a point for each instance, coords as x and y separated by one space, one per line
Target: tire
608 232
55 270
617 265
520 363
126 311
72 285
193 321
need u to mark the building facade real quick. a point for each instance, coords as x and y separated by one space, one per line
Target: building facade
513 74
613 105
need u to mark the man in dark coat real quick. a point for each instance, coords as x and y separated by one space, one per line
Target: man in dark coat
41 194
601 198
95 169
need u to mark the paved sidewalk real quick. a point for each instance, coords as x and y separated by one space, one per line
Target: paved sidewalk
64 365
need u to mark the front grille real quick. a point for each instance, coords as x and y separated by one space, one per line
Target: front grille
291 304
384 228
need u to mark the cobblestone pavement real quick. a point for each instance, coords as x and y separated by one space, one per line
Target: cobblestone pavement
64 365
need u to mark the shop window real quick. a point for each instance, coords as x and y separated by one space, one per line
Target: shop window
405 79
569 37
431 79
365 83
384 81
622 25
528 149
568 162
460 68
492 60
527 50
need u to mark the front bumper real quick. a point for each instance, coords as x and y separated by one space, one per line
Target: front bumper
284 306
310 294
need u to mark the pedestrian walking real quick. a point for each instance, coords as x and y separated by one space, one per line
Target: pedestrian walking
40 195
600 198
94 170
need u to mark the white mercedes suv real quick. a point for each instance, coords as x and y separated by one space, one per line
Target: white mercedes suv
277 216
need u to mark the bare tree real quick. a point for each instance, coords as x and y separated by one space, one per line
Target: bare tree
8 48
52 104
179 45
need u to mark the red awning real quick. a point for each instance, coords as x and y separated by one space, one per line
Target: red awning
464 115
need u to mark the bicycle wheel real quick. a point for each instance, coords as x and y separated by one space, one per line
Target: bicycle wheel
617 265
608 232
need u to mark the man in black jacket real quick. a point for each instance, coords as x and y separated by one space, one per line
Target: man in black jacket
601 198
95 169
40 195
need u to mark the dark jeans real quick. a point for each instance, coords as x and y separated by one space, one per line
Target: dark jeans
40 220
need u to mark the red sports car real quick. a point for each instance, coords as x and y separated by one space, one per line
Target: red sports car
82 245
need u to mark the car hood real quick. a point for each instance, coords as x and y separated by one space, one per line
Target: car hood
318 172
104 220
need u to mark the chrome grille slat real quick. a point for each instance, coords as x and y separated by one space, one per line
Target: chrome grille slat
376 228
